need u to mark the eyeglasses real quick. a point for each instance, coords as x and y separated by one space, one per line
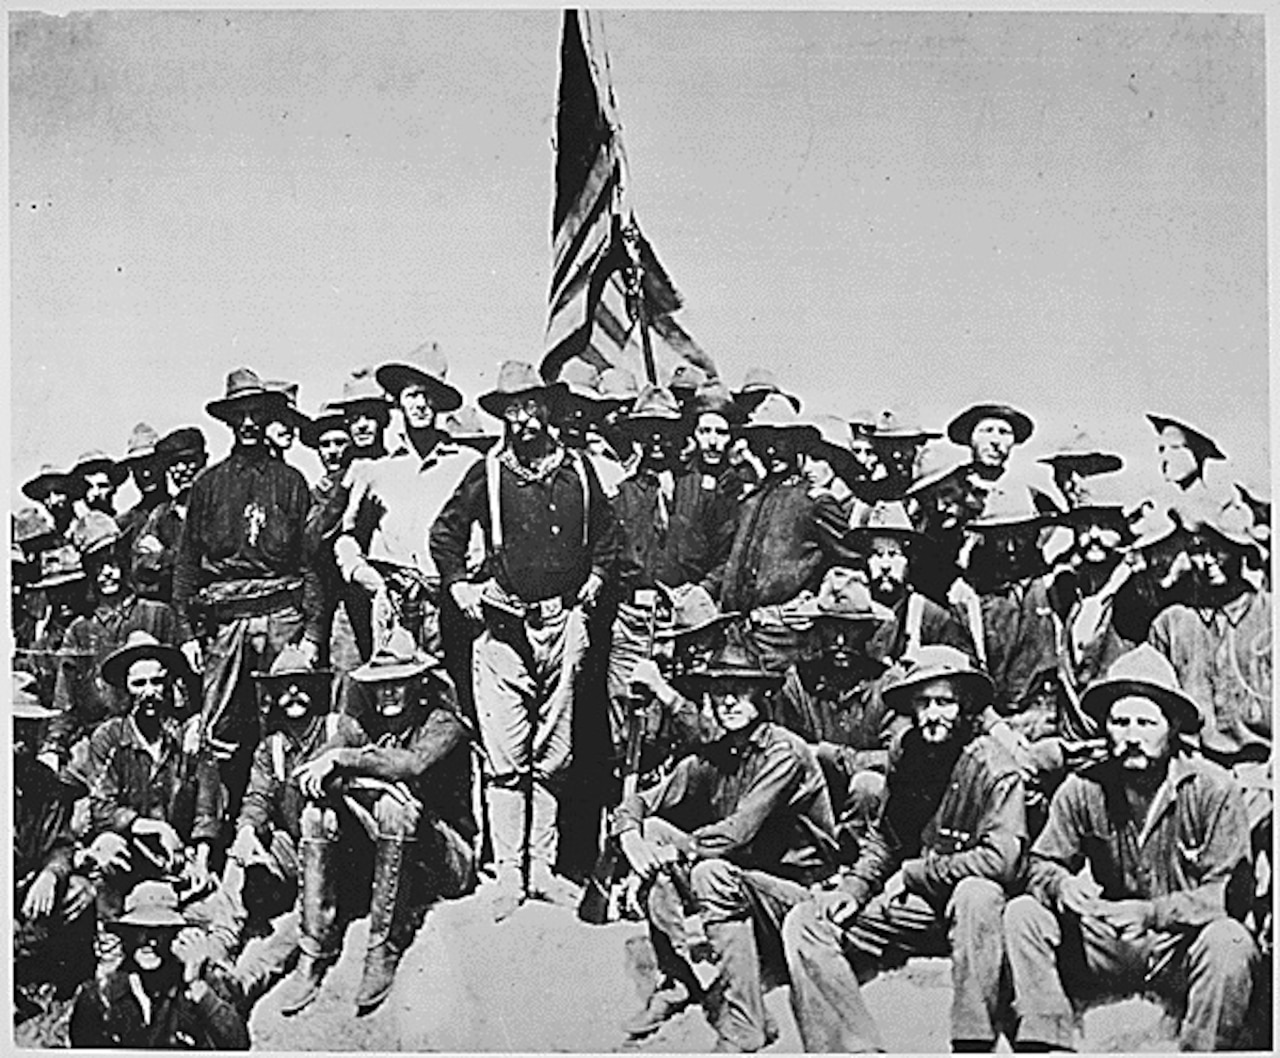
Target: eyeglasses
528 408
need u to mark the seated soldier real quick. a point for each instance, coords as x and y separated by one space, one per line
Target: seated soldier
404 775
1165 839
52 906
154 804
931 877
263 871
746 827
165 994
831 698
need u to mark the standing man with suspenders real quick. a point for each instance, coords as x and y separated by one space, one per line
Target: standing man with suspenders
550 541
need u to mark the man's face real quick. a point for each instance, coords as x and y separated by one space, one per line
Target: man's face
280 433
364 424
732 707
526 419
887 566
56 502
146 682
294 701
183 469
1096 543
105 569
658 449
148 947
864 454
332 446
936 709
711 435
776 450
991 442
817 470
1070 483
249 419
839 644
419 411
392 698
1138 734
1215 564
99 493
1178 463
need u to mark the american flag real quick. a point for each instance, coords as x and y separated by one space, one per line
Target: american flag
597 255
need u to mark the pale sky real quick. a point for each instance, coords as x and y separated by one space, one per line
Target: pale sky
1064 212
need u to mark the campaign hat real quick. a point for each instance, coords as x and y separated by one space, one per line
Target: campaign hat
426 366
960 429
934 662
140 645
1142 673
242 384
517 379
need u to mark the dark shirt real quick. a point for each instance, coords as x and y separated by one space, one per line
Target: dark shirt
949 815
819 711
938 625
84 698
246 521
763 807
431 756
785 541
543 554
694 542
41 822
1198 838
1021 641
180 789
131 522
153 573
108 1015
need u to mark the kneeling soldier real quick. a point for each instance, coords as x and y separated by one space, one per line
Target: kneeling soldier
404 775
1164 835
931 877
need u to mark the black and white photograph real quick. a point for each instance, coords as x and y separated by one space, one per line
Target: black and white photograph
640 530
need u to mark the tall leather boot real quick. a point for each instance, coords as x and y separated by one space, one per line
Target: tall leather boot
736 1008
392 922
319 915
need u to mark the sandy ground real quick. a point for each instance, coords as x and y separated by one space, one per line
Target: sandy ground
544 982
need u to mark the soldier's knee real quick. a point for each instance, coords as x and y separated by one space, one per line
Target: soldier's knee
395 818
1026 919
318 823
803 929
978 899
716 883
1224 948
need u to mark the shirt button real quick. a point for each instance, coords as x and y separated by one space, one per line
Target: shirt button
555 530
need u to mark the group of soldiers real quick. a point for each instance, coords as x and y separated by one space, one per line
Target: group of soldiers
830 707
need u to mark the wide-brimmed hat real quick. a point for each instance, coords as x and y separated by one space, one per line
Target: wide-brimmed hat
95 461
328 419
582 380
843 595
1142 673
732 661
397 659
59 565
26 703
291 666
1232 522
51 479
776 413
184 441
759 383
465 428
655 409
426 366
902 425
1200 443
861 421
140 645
931 663
243 384
694 611
290 390
618 386
516 379
714 398
150 905
832 443
1103 504
961 427
1017 506
686 378
142 442
94 532
1081 453
360 387
30 524
886 518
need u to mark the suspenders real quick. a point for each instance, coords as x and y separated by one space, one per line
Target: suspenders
492 469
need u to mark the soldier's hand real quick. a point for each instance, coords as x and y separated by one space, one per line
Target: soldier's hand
39 901
191 651
243 846
590 591
644 856
110 851
311 776
836 906
194 949
895 887
368 579
647 675
170 843
148 545
310 651
1079 895
468 596
1128 918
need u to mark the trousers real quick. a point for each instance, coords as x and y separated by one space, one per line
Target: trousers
1211 968
828 963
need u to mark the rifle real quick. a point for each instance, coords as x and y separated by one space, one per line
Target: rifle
594 906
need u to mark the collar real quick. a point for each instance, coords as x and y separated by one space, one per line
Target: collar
525 473
167 734
104 610
1180 771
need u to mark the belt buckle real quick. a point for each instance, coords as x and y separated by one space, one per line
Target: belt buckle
646 597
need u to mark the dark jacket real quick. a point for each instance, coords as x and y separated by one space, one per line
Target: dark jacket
785 541
543 555
41 822
153 573
246 522
763 807
818 711
938 625
1198 838
948 816
108 1015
